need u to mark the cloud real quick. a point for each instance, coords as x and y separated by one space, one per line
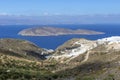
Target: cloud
4 14
51 14
46 14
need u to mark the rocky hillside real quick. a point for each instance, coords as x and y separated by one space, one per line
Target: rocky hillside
23 60
21 48
76 59
75 47
81 59
54 31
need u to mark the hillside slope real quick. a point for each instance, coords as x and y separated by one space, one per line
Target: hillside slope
76 59
20 48
22 60
81 59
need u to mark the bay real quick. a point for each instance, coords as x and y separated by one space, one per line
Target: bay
52 42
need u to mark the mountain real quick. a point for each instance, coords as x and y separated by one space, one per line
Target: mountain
54 31
76 59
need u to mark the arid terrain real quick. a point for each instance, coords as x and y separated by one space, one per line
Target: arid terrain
76 59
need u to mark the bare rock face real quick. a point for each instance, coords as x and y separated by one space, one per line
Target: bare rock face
54 31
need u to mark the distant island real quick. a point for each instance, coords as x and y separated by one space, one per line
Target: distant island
55 31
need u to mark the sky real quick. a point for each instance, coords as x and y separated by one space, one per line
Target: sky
59 12
59 7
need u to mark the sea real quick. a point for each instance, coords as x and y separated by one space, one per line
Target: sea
52 42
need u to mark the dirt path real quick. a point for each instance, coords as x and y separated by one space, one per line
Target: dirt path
86 57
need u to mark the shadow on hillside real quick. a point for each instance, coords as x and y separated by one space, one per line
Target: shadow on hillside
35 54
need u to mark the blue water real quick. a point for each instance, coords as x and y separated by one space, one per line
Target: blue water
51 42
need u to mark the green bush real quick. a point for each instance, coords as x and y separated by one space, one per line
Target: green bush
110 77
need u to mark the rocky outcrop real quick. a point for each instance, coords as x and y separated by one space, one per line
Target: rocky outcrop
54 31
